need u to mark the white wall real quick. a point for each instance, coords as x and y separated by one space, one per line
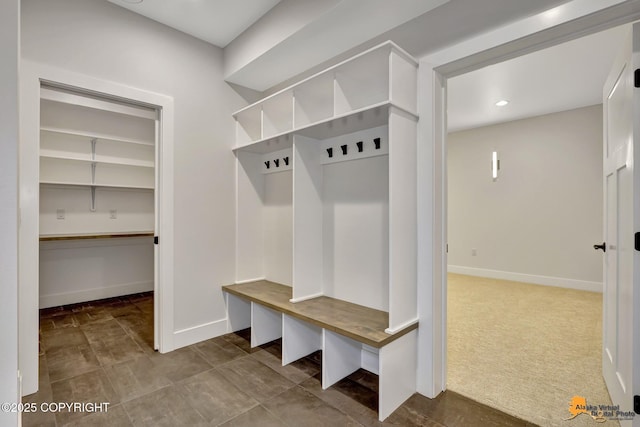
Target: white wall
73 271
100 39
9 54
543 214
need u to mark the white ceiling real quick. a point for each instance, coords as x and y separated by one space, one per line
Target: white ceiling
563 77
298 37
214 21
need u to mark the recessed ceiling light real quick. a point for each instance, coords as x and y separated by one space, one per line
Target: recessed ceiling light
502 103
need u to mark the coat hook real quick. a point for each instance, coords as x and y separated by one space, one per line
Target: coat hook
359 144
267 164
344 149
276 162
377 142
330 152
286 161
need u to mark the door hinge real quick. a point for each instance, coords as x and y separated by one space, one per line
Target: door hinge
155 240
636 404
636 78
447 248
637 241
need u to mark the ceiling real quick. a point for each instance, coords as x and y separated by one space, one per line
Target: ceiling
563 77
267 42
215 21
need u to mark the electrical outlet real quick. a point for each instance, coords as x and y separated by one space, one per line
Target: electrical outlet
474 252
60 213
113 213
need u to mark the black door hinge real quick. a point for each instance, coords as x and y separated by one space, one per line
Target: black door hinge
636 404
636 78
447 248
155 240
637 241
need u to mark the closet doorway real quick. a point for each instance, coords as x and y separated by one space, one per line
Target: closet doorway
96 197
521 260
98 211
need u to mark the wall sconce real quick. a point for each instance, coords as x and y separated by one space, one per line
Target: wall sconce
495 165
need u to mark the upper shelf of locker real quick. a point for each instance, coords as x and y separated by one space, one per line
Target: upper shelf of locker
350 96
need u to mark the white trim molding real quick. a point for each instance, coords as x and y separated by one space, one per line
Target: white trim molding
568 21
196 334
560 282
31 76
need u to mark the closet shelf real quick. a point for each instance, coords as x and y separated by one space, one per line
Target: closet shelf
89 236
353 121
97 136
132 163
88 184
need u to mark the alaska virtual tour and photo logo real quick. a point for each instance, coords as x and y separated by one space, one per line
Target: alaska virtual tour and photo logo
600 413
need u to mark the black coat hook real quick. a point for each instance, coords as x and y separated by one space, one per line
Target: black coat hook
330 152
377 142
276 162
359 144
286 161
344 149
267 164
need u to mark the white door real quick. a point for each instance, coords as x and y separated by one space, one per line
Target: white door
621 293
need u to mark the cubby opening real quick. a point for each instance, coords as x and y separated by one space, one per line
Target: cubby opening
363 82
277 114
314 101
249 125
265 227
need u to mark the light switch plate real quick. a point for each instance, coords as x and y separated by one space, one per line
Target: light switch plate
60 213
113 213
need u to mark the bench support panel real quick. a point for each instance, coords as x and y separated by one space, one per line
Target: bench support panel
299 339
238 313
398 367
266 325
341 356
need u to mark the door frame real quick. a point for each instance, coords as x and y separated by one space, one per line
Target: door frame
566 22
31 76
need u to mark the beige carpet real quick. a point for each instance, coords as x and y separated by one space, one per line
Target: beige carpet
525 349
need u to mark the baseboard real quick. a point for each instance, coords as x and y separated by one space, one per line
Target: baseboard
560 282
196 334
56 300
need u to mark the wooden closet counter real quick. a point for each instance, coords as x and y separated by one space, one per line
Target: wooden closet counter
49 238
357 322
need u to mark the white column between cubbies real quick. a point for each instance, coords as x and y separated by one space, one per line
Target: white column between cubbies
249 211
341 356
299 339
397 377
307 219
266 325
402 220
238 313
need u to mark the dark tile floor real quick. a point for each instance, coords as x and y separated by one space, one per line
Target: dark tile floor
102 351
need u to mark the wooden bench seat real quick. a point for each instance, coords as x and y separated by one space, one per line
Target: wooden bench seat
350 336
357 322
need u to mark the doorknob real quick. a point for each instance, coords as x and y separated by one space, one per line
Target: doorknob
603 246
